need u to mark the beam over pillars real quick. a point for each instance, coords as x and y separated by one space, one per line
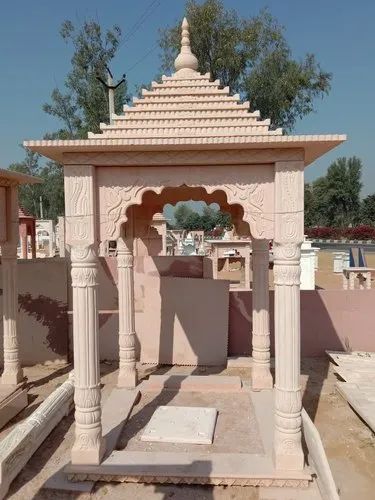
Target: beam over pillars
261 374
127 363
12 373
80 210
287 251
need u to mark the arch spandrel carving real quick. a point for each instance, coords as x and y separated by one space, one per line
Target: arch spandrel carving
248 186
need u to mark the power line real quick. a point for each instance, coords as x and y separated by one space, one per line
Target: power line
142 58
143 17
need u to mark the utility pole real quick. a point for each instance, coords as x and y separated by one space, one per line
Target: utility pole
41 207
108 85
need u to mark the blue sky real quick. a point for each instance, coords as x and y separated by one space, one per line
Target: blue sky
341 33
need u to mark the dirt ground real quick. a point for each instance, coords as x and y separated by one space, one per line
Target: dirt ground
349 443
324 277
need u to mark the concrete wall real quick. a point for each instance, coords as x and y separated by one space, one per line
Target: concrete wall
43 307
330 319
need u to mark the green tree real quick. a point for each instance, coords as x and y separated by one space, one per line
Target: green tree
193 222
367 212
83 103
223 219
80 107
309 205
252 56
334 200
181 213
51 190
29 194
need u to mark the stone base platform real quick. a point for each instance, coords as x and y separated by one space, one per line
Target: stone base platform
241 453
13 399
233 469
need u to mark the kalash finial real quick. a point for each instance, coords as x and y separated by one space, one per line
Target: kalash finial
185 63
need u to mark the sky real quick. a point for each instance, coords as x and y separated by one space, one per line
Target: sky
34 60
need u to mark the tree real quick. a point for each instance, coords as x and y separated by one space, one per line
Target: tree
367 212
51 190
181 213
251 56
29 194
83 104
80 108
193 222
223 219
334 200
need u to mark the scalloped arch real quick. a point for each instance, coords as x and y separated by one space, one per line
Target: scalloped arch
120 189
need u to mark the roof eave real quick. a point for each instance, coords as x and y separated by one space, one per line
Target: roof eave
314 146
18 177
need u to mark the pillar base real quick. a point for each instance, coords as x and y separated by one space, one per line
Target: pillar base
84 453
289 462
288 453
12 377
261 378
128 380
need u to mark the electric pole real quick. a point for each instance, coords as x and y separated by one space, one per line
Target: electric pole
41 207
108 85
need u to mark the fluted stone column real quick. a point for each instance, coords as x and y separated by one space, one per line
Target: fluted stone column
12 373
88 447
287 253
261 374
127 363
80 210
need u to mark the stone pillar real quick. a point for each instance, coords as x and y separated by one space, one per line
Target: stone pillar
33 240
351 280
368 280
12 373
289 190
345 280
261 374
127 363
247 268
24 253
80 209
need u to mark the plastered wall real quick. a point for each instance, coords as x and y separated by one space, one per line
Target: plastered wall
330 319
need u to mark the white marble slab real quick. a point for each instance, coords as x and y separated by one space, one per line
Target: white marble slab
181 424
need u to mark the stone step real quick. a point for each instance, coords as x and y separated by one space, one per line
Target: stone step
192 383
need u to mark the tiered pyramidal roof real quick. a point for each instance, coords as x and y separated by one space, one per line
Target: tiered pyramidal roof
186 105
186 111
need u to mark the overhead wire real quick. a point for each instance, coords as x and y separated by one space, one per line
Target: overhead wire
142 18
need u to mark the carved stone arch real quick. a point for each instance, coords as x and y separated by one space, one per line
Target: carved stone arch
251 188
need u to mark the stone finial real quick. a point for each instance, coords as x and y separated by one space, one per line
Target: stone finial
185 63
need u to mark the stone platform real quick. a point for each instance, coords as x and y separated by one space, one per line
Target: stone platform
241 453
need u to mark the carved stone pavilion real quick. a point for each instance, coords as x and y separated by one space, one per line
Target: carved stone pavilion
187 138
